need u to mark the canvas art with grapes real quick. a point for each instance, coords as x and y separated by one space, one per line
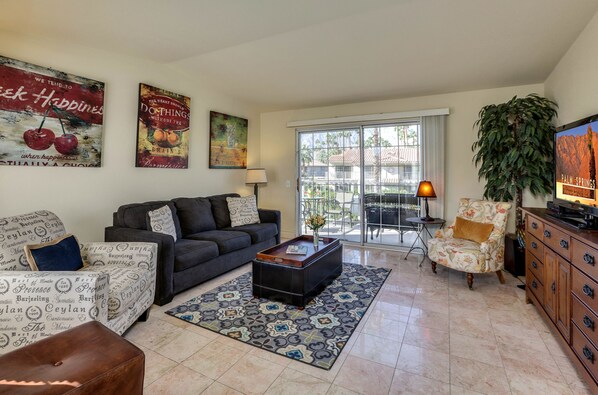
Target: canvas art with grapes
163 128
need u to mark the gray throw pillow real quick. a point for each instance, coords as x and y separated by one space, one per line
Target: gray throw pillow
160 221
243 210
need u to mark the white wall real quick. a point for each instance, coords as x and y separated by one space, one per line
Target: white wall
85 198
574 81
278 145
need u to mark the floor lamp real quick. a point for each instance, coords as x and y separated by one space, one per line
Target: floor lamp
256 176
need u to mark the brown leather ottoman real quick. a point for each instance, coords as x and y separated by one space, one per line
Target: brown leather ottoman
88 359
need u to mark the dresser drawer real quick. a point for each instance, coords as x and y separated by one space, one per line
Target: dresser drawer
585 350
534 265
534 285
585 319
559 241
584 288
536 247
534 226
584 257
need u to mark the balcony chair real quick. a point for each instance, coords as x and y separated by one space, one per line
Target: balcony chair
115 287
342 215
467 255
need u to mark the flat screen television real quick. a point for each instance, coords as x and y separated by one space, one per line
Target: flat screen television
576 168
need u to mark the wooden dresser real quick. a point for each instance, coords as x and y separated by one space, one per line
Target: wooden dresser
561 276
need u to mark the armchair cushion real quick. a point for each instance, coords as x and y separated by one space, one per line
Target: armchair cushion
472 230
460 254
61 254
127 285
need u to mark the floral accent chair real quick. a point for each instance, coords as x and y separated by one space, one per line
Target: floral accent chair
469 256
115 287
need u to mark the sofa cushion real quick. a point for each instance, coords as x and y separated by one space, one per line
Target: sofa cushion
220 209
135 215
190 253
126 285
195 215
257 232
227 240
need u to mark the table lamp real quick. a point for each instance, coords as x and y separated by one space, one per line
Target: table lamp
426 190
256 176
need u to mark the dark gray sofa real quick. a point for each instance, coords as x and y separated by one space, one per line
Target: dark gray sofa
206 245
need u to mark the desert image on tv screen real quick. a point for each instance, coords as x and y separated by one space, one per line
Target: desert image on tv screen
575 155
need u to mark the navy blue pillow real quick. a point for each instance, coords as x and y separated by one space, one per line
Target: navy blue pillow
62 254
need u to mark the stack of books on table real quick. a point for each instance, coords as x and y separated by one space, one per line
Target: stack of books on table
296 250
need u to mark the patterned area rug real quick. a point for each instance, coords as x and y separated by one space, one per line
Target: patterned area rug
315 335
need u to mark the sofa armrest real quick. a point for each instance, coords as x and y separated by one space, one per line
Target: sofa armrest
271 216
40 304
164 256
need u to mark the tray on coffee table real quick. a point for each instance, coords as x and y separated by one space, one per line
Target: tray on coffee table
277 254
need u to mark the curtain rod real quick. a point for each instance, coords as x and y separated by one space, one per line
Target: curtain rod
370 117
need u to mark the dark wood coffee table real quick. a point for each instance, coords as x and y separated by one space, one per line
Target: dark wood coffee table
297 279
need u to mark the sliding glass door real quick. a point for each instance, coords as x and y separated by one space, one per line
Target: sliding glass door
330 181
392 170
363 180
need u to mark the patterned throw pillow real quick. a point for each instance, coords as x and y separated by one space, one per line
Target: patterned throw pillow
61 254
243 210
160 221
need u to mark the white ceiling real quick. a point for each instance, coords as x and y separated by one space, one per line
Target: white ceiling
281 54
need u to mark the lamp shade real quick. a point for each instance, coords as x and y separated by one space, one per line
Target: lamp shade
425 189
256 176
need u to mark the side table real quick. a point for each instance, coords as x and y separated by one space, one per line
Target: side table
423 226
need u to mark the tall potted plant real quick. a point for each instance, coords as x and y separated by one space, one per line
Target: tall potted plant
514 149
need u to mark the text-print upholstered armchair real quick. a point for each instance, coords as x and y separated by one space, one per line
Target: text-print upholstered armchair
471 256
116 286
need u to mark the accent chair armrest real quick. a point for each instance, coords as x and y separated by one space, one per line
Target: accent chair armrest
445 233
491 247
164 256
40 304
121 253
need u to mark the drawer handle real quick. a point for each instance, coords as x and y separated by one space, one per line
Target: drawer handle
588 322
588 354
547 233
589 259
534 225
553 287
534 284
588 291
564 244
534 245
534 265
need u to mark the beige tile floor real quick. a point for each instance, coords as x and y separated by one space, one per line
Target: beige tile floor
423 334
